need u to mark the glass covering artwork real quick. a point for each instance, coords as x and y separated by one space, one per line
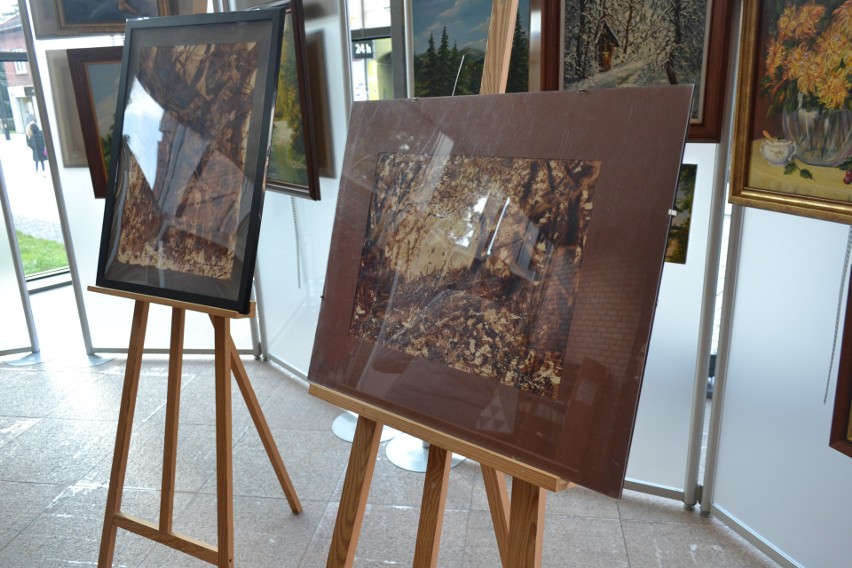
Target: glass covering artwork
484 280
182 215
494 268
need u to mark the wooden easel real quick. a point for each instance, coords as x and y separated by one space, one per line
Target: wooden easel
518 527
226 361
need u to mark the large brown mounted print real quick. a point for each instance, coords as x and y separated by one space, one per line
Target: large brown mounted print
494 268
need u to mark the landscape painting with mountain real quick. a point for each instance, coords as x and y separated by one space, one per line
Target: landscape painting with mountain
620 43
449 47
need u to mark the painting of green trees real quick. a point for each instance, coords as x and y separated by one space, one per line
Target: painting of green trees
679 229
449 47
287 163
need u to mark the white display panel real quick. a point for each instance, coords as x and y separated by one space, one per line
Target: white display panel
660 441
290 305
776 474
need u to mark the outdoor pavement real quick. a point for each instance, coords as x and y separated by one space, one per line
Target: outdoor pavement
31 194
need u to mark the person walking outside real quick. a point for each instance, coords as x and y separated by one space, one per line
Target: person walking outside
35 140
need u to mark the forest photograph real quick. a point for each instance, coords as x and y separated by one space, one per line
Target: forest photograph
474 262
287 160
450 39
621 43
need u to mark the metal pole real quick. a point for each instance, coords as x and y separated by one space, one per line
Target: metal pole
726 325
16 262
711 277
54 174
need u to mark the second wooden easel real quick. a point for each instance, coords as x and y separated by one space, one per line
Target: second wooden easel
227 361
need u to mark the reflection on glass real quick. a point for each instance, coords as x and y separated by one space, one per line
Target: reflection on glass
183 156
480 280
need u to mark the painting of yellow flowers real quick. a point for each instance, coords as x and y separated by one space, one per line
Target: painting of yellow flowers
793 132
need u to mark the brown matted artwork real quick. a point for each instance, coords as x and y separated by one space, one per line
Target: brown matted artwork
623 43
793 131
496 279
95 74
841 422
185 184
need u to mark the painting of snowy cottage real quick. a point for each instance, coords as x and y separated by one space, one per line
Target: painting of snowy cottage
620 43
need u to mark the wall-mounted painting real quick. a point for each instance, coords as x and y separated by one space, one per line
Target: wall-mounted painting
793 135
293 165
679 231
185 183
449 47
95 73
508 269
841 424
618 43
71 146
53 18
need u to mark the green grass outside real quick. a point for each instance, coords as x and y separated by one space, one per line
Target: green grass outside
40 255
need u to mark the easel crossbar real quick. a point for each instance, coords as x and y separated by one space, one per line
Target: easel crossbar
477 453
182 543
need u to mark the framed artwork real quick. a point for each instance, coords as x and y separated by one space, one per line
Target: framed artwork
841 423
793 134
678 244
185 184
72 148
293 166
618 43
95 74
54 18
449 47
496 279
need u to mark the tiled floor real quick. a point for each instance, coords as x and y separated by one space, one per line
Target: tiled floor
57 428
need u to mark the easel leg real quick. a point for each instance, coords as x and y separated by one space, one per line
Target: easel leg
526 525
264 431
224 442
432 508
498 503
167 498
123 432
356 488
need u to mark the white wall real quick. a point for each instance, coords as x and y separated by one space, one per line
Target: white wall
292 270
658 453
777 475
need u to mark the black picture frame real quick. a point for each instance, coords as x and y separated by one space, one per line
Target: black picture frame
197 92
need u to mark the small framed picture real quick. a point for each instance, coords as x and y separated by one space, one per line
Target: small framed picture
105 16
293 166
188 157
95 74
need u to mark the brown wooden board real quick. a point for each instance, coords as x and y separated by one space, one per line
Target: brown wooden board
494 268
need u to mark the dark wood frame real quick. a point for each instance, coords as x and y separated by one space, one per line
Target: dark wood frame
232 293
100 27
79 61
741 192
709 129
839 438
294 11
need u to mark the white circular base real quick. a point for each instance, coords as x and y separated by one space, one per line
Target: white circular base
344 428
412 454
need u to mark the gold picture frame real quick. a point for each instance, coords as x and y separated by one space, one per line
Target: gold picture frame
780 161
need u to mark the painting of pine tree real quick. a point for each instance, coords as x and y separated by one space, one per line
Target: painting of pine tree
449 47
615 43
